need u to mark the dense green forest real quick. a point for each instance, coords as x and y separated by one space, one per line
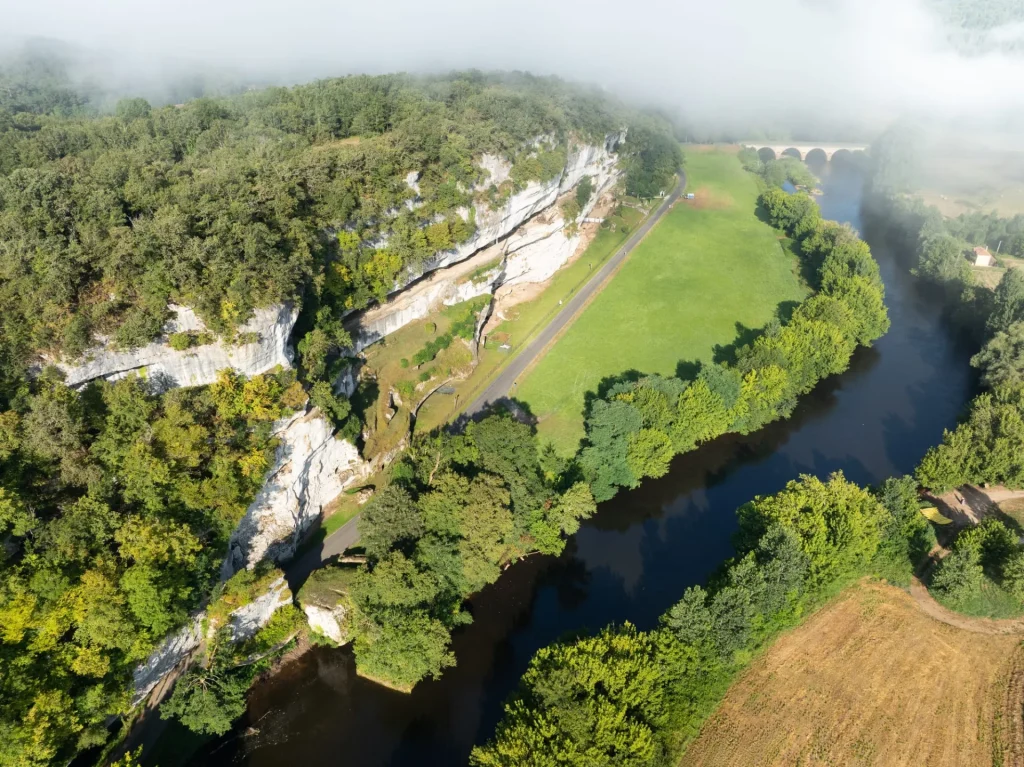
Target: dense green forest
115 510
458 508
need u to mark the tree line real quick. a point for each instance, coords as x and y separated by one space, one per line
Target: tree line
636 427
632 698
936 248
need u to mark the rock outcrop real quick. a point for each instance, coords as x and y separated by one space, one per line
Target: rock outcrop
197 366
329 621
172 651
311 468
524 239
244 622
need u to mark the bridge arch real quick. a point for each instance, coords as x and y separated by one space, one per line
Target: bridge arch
841 156
791 152
816 156
766 153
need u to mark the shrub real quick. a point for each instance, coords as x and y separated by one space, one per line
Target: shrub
181 341
249 337
424 376
403 363
406 389
431 328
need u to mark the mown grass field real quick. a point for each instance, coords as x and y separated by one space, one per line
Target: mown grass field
708 266
871 680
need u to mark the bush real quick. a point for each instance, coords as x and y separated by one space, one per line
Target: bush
406 389
403 363
249 337
431 328
424 376
181 341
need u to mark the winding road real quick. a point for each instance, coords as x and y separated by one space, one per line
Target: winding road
347 535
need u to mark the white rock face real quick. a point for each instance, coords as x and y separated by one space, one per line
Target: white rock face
492 225
533 251
311 468
244 622
328 621
197 366
497 167
413 304
174 649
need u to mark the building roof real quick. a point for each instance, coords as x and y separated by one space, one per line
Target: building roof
981 251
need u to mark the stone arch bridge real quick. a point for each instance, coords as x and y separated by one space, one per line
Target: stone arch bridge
802 149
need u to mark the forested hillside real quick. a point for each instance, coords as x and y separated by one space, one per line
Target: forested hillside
226 205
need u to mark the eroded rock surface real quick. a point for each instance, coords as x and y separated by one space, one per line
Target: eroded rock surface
329 621
244 622
524 240
311 468
199 365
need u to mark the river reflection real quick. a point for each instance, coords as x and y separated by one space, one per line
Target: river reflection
635 558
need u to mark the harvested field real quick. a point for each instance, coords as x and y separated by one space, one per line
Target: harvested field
871 680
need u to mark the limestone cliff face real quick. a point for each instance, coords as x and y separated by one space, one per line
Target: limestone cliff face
535 248
329 621
174 649
242 624
197 366
311 468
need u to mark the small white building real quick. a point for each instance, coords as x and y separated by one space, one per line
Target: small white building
982 257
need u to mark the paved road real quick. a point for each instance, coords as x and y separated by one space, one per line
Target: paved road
347 535
502 385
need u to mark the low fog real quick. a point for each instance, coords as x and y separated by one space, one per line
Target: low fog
848 67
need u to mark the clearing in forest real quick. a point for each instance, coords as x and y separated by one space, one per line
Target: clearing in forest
707 268
872 680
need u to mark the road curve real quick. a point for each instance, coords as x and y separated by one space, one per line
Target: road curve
502 385
347 535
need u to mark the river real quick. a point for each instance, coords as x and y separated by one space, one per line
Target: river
637 555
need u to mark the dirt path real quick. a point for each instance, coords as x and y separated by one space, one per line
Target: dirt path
927 604
967 505
930 607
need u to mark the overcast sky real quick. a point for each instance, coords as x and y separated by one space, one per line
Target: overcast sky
720 60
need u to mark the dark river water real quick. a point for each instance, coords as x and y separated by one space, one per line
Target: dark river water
636 556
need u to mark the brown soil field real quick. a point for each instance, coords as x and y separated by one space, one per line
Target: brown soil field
709 199
871 680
